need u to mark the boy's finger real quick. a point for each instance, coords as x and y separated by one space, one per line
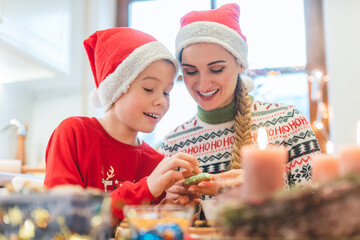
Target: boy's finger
180 182
197 170
184 200
188 157
169 178
193 189
166 201
195 196
172 196
179 163
178 190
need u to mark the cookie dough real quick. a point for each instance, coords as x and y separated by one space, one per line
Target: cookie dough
197 178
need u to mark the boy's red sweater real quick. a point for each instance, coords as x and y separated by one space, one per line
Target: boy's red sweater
81 152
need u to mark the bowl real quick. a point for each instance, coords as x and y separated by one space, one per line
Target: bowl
159 221
209 207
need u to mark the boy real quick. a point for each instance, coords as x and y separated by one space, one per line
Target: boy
133 74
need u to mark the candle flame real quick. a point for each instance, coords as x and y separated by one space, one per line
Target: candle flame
262 138
358 133
329 147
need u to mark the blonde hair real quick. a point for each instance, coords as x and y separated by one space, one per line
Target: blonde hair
242 123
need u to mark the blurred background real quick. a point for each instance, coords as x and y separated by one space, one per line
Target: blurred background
301 52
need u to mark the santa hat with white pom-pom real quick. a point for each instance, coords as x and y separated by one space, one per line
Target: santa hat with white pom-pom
220 26
117 56
248 82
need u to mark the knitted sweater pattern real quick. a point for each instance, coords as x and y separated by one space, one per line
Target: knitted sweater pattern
212 144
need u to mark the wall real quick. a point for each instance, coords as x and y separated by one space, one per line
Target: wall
47 113
15 103
43 103
342 36
50 108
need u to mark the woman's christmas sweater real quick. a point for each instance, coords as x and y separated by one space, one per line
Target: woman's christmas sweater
210 136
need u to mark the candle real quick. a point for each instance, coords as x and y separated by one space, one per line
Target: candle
358 133
325 167
263 168
350 160
350 156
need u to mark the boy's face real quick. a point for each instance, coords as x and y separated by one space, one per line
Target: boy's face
147 99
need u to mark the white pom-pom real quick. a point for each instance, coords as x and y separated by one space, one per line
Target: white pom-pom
248 82
94 98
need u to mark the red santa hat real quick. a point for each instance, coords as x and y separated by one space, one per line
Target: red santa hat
220 26
117 56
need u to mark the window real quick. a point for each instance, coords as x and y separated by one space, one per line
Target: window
161 18
275 34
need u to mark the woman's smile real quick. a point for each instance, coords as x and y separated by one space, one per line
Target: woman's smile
208 94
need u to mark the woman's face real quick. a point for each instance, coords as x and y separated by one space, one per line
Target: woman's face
210 73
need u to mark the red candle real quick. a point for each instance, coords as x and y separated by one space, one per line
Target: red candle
263 169
325 167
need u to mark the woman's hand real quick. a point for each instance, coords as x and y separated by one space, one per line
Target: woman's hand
218 183
204 188
165 174
179 194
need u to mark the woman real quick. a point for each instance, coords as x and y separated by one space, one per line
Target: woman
212 52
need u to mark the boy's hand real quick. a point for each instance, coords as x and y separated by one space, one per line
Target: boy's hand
165 174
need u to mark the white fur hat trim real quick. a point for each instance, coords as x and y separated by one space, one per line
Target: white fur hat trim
125 73
212 32
94 98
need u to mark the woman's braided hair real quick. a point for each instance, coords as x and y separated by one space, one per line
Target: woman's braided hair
242 123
